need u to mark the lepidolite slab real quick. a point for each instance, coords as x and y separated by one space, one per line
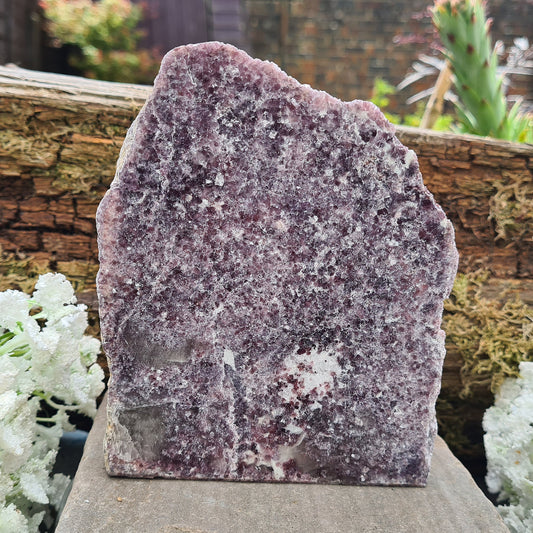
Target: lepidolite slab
272 276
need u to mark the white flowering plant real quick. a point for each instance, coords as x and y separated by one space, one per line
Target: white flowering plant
48 370
508 426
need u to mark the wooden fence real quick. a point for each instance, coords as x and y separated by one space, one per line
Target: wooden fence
169 23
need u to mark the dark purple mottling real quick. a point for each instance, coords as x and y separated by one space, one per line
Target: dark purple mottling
272 275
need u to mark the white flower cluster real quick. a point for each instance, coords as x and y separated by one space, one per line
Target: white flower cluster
45 360
508 441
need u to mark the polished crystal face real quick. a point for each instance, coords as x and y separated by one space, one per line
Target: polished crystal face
271 285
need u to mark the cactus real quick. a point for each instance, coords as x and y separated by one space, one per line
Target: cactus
482 106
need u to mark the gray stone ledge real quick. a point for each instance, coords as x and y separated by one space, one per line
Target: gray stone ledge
451 503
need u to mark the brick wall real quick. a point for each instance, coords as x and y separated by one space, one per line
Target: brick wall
341 46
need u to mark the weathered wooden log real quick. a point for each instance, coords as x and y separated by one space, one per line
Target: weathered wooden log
61 137
60 141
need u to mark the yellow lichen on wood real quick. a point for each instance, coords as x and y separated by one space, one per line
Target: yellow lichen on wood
492 336
21 272
511 207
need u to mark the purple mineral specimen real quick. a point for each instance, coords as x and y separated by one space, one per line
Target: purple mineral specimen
272 276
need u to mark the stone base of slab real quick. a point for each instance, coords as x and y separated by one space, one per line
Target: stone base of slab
451 503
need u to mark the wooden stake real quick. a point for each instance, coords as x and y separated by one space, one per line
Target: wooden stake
436 100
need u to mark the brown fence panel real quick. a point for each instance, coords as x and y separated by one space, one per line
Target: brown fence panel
169 23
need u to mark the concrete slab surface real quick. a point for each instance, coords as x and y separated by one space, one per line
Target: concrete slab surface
451 503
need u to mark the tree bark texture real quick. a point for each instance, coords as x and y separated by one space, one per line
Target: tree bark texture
61 136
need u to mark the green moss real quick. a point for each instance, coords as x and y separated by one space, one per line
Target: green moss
491 336
20 273
114 131
71 178
511 208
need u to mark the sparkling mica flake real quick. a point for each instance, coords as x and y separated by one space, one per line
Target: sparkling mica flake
271 286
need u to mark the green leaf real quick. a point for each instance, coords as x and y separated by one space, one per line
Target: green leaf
21 351
6 337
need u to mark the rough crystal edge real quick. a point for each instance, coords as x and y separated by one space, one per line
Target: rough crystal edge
318 98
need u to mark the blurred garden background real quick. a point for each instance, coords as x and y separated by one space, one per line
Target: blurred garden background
340 46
